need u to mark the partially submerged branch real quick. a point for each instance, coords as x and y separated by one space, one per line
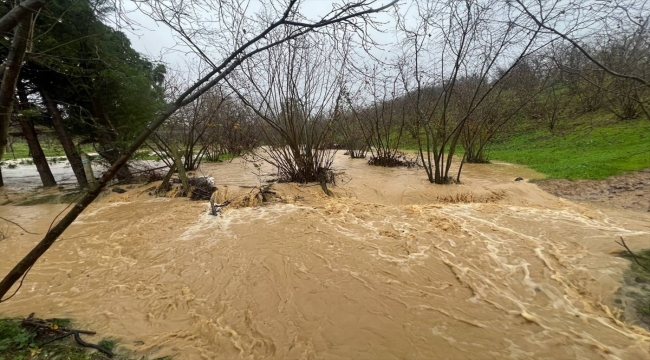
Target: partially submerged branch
635 256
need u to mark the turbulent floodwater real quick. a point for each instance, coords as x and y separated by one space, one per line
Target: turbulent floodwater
390 268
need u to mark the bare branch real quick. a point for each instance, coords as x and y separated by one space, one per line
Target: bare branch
634 256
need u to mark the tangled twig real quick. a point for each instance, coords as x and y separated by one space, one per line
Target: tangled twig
15 223
634 256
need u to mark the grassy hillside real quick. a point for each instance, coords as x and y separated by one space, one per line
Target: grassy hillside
592 146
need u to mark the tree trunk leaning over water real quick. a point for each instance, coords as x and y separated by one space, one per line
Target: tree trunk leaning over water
35 149
65 139
37 152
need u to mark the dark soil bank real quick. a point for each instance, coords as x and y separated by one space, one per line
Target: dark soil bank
627 191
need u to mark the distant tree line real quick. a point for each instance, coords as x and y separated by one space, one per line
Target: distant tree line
466 69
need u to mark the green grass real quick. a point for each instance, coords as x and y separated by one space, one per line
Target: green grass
223 158
145 155
17 342
593 146
638 275
21 150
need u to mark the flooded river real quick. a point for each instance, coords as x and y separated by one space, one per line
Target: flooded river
391 267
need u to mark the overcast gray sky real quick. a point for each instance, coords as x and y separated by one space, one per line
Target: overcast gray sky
157 41
153 39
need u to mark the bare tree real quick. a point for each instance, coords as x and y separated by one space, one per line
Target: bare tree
187 130
233 131
514 91
214 125
287 21
381 112
627 51
455 42
349 132
594 88
295 91
579 23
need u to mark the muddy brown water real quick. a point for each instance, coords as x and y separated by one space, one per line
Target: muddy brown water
390 268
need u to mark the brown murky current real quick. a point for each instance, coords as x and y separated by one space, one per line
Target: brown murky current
390 268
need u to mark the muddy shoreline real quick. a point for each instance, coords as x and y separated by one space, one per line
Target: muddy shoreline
630 191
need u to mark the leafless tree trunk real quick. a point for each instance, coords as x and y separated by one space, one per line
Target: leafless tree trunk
473 41
582 23
10 79
350 134
37 152
33 142
233 131
381 114
509 96
294 91
66 141
189 129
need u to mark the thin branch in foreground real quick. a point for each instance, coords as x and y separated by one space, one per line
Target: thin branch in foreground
15 223
20 285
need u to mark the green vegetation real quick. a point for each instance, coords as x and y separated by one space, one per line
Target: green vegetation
595 145
20 151
592 146
84 83
55 152
17 342
639 277
221 158
21 343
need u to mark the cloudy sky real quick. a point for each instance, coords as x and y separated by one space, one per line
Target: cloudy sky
159 42
152 39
